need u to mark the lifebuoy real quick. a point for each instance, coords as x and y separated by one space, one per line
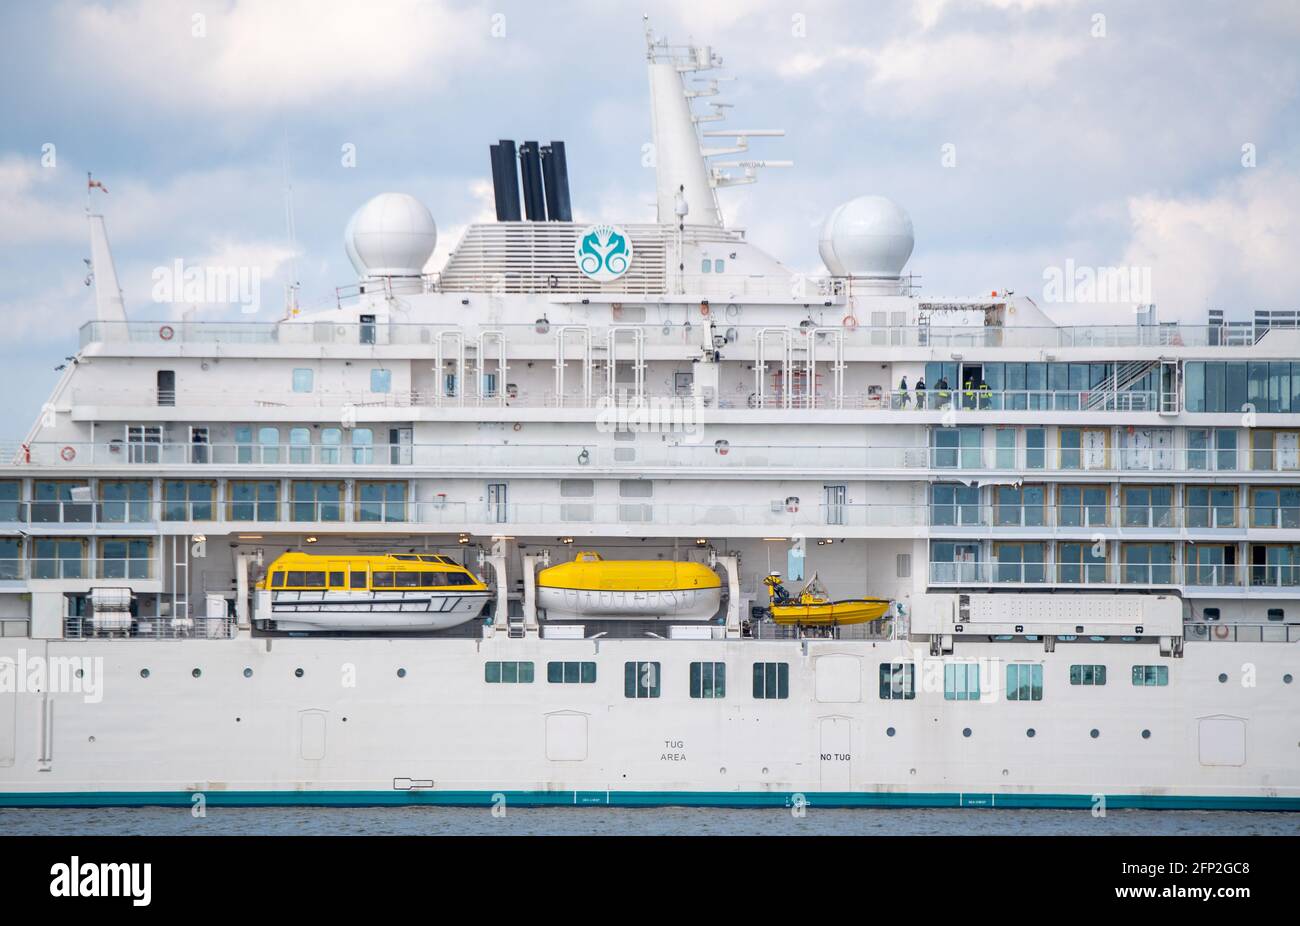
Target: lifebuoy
68 454
518 426
1220 632
166 332
850 321
704 309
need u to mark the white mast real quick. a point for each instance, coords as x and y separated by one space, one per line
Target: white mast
109 304
686 187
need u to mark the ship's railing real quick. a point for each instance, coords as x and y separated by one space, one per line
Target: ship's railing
129 627
789 513
1217 632
871 630
694 447
68 568
793 511
1093 572
1094 400
723 313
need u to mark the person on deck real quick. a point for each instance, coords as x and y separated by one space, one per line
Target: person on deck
920 392
903 397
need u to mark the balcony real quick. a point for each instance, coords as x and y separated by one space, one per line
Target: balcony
317 332
1280 578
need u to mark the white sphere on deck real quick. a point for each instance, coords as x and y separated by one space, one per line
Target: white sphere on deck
392 235
870 236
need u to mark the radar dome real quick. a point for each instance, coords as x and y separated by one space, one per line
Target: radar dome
392 235
870 236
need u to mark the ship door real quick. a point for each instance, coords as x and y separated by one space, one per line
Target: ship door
497 509
1094 449
972 373
836 753
836 497
1288 450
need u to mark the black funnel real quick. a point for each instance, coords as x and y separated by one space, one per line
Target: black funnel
555 170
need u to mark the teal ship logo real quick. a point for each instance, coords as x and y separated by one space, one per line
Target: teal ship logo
603 252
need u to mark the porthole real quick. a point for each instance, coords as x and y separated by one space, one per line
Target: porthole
1031 733
1146 734
401 673
248 673
144 673
196 673
966 732
1095 733
298 673
1286 679
889 732
1223 677
81 673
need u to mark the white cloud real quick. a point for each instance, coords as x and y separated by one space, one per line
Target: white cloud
1233 249
255 55
34 207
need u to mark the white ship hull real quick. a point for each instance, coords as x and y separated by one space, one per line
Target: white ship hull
249 729
692 604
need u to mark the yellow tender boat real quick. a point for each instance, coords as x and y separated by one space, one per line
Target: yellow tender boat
628 589
812 608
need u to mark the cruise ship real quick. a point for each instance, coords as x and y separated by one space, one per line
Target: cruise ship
515 531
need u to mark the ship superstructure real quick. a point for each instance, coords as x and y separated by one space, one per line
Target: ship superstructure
1090 535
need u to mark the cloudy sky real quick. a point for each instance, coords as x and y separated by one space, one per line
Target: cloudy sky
1159 133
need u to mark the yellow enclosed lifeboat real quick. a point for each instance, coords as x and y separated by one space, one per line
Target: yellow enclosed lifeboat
591 587
813 608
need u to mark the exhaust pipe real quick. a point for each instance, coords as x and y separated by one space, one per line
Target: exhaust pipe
531 170
555 170
505 180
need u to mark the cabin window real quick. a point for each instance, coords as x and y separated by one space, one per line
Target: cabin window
408 580
706 265
1150 676
719 266
771 680
961 681
641 679
571 673
508 673
305 579
188 501
253 501
11 558
124 501
363 446
336 579
58 559
1035 448
302 379
268 440
317 501
199 445
123 558
277 580
330 439
381 579
1276 614
358 579
381 380
1087 675
897 681
300 445
381 501
708 679
1024 682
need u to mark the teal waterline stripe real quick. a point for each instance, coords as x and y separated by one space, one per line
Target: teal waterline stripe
641 799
